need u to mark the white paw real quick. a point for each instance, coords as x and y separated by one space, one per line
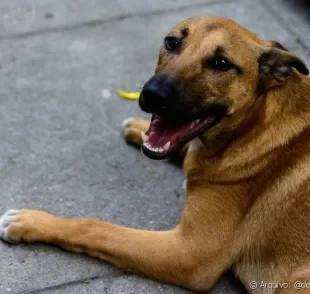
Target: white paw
5 221
127 121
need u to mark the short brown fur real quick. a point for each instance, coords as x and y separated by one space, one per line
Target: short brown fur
248 191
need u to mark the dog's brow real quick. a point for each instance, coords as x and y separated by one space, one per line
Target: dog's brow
184 32
219 50
212 27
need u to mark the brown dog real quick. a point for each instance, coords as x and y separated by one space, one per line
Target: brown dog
244 105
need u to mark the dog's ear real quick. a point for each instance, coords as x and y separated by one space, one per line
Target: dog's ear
275 44
276 64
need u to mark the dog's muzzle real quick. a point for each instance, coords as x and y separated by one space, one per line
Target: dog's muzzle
158 94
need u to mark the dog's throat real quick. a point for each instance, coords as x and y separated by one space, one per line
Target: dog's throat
163 138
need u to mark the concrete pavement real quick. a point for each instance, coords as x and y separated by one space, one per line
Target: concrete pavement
60 124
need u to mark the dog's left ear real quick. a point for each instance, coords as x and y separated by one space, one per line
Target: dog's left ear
276 65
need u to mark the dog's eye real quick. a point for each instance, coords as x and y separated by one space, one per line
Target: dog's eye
220 64
172 43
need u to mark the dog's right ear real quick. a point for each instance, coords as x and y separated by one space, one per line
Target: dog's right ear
276 65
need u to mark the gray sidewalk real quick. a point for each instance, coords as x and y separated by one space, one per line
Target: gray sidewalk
61 144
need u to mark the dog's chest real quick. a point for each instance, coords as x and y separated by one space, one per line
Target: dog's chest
257 279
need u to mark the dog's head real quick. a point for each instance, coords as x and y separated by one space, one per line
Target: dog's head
210 72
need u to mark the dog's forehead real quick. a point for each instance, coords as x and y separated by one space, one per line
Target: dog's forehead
209 34
217 27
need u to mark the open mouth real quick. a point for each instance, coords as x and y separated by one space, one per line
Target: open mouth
163 138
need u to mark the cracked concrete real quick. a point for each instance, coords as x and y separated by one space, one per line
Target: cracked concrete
61 144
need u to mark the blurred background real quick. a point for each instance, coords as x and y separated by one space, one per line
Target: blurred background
61 62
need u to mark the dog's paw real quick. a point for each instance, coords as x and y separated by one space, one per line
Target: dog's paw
133 127
26 225
127 122
6 221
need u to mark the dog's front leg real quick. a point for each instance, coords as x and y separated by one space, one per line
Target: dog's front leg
164 256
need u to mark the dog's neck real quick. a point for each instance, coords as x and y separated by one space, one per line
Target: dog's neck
276 113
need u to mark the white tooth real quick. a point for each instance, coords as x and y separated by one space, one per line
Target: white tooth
166 147
197 121
144 137
192 125
154 149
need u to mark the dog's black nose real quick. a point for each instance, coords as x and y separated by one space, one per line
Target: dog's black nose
157 94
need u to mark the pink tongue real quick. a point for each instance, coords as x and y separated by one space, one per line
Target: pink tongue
160 133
